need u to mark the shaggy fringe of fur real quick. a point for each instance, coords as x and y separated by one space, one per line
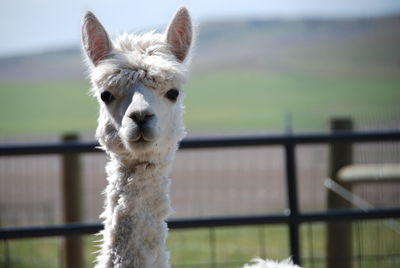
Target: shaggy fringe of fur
143 56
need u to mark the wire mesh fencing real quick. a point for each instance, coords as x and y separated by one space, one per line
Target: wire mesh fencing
206 183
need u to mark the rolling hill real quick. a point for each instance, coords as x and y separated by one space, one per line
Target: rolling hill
311 69
318 47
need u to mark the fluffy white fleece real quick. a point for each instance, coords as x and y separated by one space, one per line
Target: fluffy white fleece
137 204
260 263
145 57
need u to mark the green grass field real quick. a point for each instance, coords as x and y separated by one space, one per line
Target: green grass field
373 246
258 100
223 101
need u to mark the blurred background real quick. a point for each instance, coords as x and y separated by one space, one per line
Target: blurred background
259 67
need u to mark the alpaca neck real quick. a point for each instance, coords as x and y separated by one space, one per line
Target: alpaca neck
137 205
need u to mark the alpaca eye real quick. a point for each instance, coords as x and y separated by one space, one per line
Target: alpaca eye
106 96
172 94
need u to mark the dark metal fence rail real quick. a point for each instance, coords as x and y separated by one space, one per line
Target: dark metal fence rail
209 142
293 218
91 228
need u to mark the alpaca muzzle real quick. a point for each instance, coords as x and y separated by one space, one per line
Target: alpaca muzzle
139 133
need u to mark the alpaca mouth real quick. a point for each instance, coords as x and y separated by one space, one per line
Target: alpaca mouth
138 144
138 139
141 138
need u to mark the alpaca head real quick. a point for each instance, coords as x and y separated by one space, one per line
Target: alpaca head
138 82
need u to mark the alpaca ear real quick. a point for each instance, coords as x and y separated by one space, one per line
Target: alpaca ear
95 40
179 34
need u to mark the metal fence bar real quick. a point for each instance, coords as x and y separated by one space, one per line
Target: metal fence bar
291 190
50 230
91 228
306 138
212 142
49 148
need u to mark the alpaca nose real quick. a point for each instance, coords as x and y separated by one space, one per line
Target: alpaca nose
141 117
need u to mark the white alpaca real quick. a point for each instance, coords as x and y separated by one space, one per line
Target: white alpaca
138 81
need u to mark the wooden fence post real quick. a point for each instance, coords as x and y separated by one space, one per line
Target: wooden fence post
71 191
339 234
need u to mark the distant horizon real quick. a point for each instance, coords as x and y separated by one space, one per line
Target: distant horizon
75 45
34 26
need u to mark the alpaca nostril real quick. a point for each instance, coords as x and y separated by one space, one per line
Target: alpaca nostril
141 117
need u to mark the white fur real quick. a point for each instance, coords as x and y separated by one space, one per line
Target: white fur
138 71
260 263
